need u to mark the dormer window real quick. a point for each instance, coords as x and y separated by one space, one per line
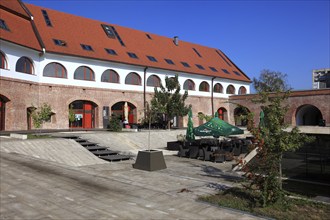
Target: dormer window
236 73
200 66
111 51
132 55
61 43
112 33
213 69
148 36
108 30
225 71
3 25
151 58
185 64
46 17
169 61
86 47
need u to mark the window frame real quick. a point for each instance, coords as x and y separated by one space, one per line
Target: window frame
132 81
189 85
3 61
155 81
204 89
26 60
240 90
114 73
228 89
220 86
91 73
64 74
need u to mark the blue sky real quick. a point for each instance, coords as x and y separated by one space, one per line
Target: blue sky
287 36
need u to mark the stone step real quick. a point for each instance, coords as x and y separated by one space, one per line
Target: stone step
95 148
117 157
87 143
104 152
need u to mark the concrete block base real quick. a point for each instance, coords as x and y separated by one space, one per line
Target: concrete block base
150 160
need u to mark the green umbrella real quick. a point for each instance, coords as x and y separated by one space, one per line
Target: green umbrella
190 128
216 128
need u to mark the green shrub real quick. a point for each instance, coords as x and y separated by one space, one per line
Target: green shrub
115 124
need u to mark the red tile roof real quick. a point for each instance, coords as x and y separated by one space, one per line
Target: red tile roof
15 6
75 30
19 24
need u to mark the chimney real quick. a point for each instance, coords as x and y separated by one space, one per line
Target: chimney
176 40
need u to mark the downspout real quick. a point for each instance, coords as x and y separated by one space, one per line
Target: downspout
212 96
144 91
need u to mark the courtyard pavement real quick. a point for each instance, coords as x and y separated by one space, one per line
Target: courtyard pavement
33 187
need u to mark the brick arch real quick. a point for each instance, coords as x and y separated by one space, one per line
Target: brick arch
118 110
240 113
307 114
86 114
318 98
3 101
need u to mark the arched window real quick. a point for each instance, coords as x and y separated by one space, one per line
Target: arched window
3 61
55 70
133 79
189 85
24 65
84 73
242 90
230 89
154 81
218 88
110 76
204 87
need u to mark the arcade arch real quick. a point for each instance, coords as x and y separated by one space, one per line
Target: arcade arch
85 114
308 115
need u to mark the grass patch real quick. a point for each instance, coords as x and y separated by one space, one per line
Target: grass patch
38 136
237 198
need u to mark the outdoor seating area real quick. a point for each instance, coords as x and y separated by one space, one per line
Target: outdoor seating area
214 149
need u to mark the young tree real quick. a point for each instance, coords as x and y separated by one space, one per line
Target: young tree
265 173
41 115
168 100
71 116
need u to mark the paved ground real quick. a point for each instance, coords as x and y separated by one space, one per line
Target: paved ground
35 188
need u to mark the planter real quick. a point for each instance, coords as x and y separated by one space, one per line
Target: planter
150 160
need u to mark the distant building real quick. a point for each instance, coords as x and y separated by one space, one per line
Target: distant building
321 78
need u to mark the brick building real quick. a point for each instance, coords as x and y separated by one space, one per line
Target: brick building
64 60
98 68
